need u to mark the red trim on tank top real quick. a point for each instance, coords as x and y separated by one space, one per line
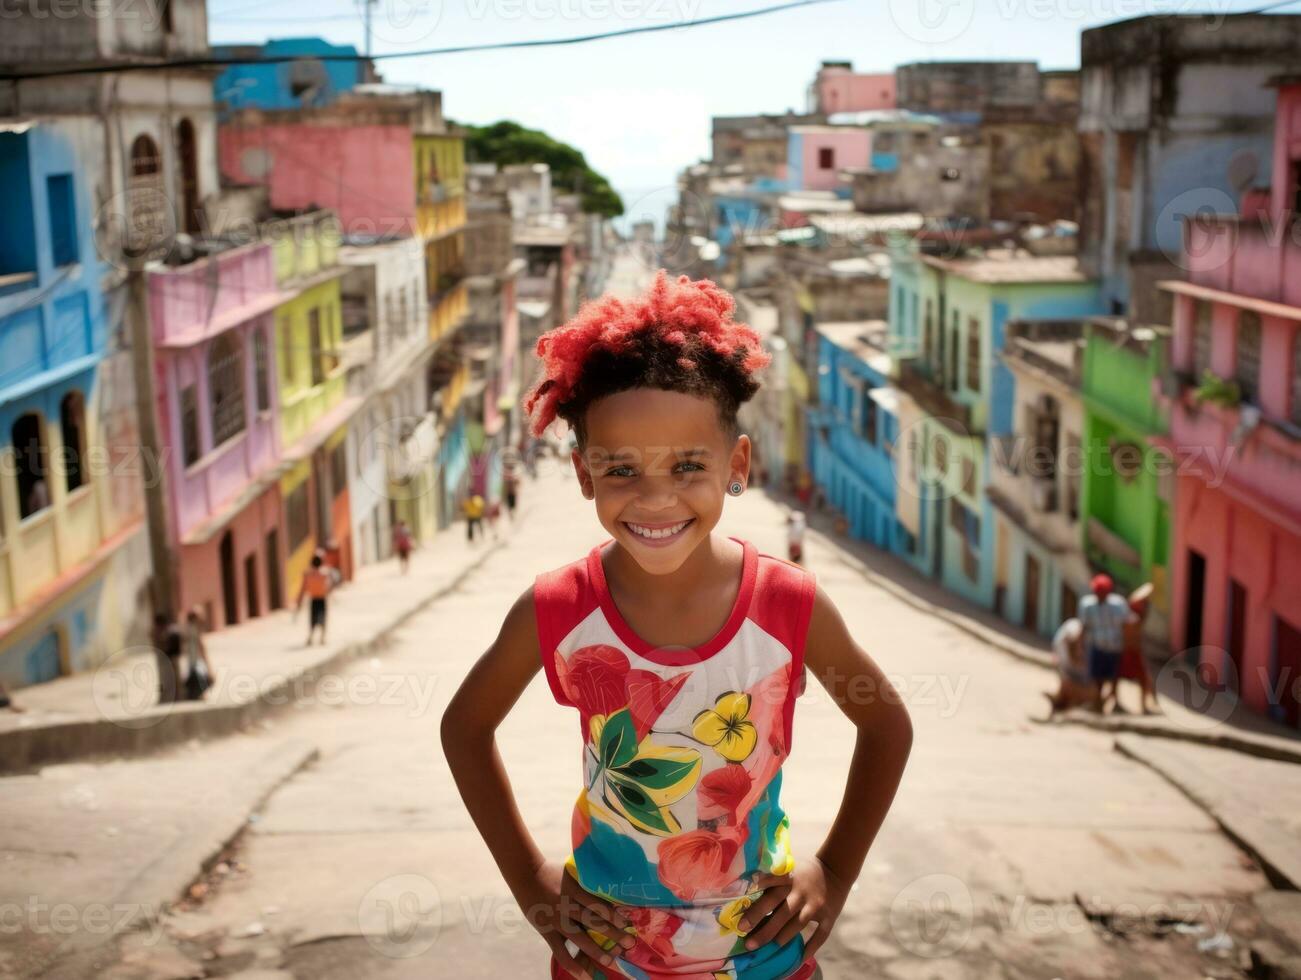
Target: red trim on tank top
676 657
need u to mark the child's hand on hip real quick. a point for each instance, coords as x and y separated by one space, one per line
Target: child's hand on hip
790 902
558 908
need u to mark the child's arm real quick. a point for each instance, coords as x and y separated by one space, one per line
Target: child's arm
817 890
550 898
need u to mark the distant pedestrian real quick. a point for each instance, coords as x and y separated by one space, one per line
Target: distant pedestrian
402 544
1104 615
1074 686
317 584
474 508
168 645
510 492
1133 665
6 702
493 514
796 525
200 675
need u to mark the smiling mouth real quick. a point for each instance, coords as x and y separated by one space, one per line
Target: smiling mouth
658 533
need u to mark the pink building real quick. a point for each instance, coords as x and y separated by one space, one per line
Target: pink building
838 88
815 155
1236 555
218 408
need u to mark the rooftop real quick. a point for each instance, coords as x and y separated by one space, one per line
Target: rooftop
1007 266
865 339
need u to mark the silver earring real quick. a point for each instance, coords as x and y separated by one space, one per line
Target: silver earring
737 488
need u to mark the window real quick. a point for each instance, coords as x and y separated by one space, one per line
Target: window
869 416
190 450
973 354
63 218
826 158
1201 338
953 355
967 524
298 516
147 222
339 468
928 336
940 447
1247 355
72 424
29 465
188 175
226 388
314 352
261 369
968 477
1074 467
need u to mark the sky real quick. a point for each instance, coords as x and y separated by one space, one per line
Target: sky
639 107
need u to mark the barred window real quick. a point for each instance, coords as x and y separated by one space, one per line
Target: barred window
1247 359
298 516
261 367
315 353
1201 338
973 353
226 388
190 450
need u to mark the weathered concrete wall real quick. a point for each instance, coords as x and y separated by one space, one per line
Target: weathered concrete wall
966 86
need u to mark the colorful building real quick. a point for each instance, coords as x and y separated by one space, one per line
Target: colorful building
1235 428
838 88
815 155
948 319
1035 476
315 407
316 76
73 555
1126 489
216 358
854 427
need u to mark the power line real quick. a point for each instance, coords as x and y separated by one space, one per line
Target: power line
427 53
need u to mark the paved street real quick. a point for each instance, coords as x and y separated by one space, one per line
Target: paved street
1014 849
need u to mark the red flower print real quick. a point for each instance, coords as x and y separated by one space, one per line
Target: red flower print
654 929
721 792
649 695
593 679
699 862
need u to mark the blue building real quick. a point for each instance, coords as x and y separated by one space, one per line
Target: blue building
853 429
308 81
67 597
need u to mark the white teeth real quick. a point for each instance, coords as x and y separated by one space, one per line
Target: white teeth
663 532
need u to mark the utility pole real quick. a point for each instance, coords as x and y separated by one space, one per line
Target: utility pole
165 592
369 4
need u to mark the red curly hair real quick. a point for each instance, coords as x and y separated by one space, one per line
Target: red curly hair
677 336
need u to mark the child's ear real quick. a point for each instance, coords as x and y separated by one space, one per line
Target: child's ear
740 462
584 474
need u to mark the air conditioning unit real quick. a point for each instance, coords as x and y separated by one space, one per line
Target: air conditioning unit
1043 494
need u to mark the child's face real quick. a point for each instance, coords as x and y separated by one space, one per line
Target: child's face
658 464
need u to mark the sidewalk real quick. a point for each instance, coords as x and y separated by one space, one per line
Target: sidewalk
260 665
1219 722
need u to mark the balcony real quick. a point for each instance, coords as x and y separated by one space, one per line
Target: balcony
191 303
306 247
1251 256
447 310
916 379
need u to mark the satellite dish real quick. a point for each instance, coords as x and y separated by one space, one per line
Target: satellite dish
1242 170
308 80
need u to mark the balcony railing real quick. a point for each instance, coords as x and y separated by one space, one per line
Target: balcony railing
1251 256
915 378
199 299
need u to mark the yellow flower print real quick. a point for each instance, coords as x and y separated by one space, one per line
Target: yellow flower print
729 916
783 861
726 727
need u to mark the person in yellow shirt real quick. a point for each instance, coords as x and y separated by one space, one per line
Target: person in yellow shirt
474 508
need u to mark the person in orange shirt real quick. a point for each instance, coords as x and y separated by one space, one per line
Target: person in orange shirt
317 584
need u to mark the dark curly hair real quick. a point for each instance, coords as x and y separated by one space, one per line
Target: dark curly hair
677 336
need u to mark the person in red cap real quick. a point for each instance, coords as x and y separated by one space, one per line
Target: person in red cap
1104 615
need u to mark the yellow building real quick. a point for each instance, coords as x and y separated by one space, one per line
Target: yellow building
314 405
440 219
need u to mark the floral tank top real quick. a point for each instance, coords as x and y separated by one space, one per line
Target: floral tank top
682 756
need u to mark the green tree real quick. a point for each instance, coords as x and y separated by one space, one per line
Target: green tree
506 142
